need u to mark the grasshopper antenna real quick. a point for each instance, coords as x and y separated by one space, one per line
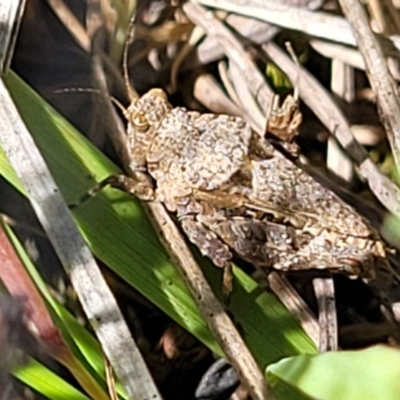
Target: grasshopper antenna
129 39
90 90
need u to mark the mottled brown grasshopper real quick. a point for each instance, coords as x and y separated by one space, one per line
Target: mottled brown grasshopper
236 195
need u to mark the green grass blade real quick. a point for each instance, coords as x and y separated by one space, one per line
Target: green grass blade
47 383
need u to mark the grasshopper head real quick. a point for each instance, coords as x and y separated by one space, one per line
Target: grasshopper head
144 116
148 110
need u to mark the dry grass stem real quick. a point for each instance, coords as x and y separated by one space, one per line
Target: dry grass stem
256 31
208 92
71 23
342 84
255 116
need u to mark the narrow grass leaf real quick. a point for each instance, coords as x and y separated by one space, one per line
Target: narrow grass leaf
47 383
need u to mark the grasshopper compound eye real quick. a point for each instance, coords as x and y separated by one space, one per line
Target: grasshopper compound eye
139 122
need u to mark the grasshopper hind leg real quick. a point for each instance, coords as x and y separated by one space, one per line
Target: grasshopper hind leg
211 246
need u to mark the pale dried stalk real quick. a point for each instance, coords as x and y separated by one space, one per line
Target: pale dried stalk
385 15
256 116
350 56
381 82
10 18
342 84
325 294
73 25
227 83
257 31
207 90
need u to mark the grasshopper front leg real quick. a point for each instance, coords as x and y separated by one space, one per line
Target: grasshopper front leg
140 187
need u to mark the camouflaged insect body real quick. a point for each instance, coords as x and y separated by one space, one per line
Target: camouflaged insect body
235 194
